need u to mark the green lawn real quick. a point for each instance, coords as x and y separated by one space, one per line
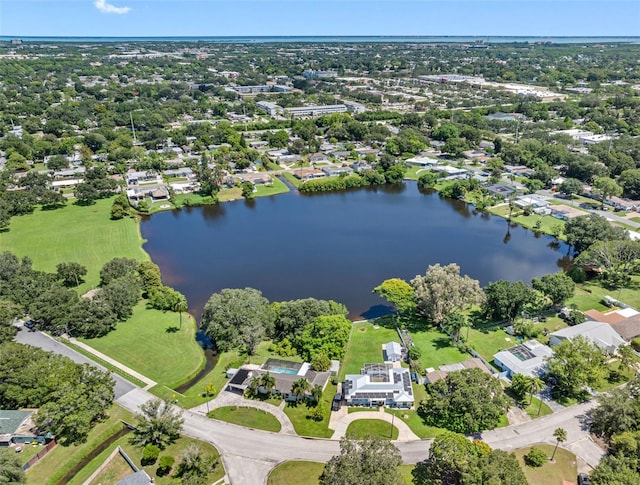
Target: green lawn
308 427
564 467
278 187
249 417
135 453
365 346
151 343
308 473
296 473
589 295
85 235
291 179
488 341
532 409
362 428
62 459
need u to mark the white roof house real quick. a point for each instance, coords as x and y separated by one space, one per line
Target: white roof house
392 352
600 333
379 385
527 359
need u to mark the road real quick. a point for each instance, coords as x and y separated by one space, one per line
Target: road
39 339
248 454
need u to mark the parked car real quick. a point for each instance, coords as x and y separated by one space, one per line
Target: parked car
31 325
583 479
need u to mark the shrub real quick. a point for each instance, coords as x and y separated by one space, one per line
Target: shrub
577 275
165 465
150 454
536 457
316 413
635 343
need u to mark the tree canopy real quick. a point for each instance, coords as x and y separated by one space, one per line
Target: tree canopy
583 231
158 424
237 318
466 401
399 293
373 461
442 290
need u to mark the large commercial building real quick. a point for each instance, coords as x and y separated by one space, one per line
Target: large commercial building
316 110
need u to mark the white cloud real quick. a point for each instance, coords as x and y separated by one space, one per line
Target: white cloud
105 7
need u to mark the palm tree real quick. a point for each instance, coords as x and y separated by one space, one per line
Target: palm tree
316 393
536 386
180 305
453 323
299 388
560 434
268 382
254 384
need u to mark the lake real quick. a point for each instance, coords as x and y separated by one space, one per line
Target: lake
338 246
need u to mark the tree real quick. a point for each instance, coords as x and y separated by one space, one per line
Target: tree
451 457
394 174
627 357
399 293
373 461
237 318
466 401
583 231
520 386
427 180
159 424
327 335
442 290
180 305
11 467
618 410
247 189
267 382
453 323
606 187
615 470
299 388
320 362
571 187
122 294
535 458
629 180
574 364
505 300
560 434
557 287
617 259
497 467
316 393
194 465
71 273
292 316
117 268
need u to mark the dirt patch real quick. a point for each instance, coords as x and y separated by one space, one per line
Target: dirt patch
362 329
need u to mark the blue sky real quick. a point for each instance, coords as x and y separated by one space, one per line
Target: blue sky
113 18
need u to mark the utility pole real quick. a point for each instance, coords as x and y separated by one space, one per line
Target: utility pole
133 129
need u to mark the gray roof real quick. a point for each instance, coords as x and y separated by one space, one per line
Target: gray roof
527 358
11 420
137 478
600 333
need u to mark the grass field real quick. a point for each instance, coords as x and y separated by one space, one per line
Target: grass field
278 187
564 467
151 343
84 235
532 409
291 179
362 428
249 417
365 346
308 473
308 427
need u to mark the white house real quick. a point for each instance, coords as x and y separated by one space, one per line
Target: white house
527 359
600 333
392 352
379 385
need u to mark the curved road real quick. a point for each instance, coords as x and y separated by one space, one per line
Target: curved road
248 454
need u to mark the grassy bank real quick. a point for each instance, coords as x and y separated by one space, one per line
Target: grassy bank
84 235
564 467
362 428
152 343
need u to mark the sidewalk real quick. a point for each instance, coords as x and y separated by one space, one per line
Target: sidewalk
342 419
149 383
226 398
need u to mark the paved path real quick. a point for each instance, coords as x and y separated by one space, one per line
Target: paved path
149 383
226 398
341 424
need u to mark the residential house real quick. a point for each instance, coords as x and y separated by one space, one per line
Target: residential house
379 385
16 426
625 321
527 358
308 174
318 158
337 171
257 178
392 352
134 177
599 333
